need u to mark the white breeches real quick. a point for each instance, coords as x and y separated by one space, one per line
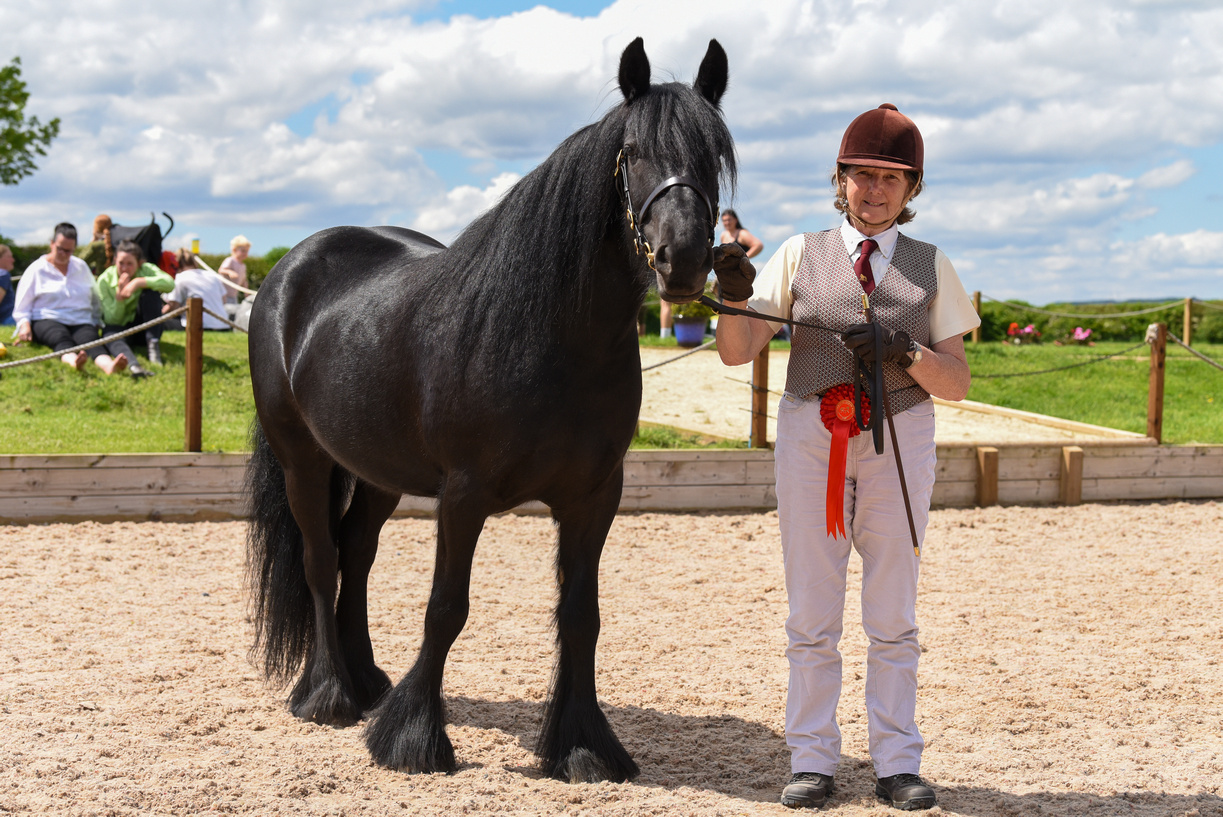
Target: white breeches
815 567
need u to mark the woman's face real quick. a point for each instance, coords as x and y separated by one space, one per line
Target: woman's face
126 263
875 195
729 222
61 250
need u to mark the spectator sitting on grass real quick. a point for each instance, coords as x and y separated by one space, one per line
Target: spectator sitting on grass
194 282
7 297
55 305
127 294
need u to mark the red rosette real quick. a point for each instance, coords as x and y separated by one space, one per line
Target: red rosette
837 412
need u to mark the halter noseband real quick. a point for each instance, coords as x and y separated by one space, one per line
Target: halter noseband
635 219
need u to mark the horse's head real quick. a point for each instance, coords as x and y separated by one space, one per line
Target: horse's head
675 150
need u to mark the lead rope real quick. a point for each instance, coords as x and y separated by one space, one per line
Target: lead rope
874 378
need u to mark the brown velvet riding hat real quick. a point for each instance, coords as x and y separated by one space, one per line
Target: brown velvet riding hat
883 137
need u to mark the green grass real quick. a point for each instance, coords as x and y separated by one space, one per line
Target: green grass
1111 393
49 408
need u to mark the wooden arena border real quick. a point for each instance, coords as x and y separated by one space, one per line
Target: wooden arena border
199 487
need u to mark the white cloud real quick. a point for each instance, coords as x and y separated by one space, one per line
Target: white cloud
445 218
1049 125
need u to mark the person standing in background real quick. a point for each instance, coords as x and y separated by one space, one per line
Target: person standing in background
233 269
735 233
100 252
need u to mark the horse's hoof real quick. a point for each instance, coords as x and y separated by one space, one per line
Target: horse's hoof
583 766
328 703
401 747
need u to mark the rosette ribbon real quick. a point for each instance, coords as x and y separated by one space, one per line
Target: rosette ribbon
837 412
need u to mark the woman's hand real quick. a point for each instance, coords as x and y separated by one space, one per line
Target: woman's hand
130 288
24 333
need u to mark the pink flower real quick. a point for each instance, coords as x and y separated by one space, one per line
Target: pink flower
1081 334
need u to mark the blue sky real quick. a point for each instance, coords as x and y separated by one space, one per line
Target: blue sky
1074 151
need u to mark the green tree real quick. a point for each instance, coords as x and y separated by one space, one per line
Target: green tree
20 138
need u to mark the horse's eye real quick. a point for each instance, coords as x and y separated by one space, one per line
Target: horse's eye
630 150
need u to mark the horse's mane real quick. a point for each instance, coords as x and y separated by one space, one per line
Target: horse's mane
536 248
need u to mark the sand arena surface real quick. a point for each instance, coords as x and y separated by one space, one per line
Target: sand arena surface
1071 666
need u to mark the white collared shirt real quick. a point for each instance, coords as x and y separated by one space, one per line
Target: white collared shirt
881 257
45 293
951 310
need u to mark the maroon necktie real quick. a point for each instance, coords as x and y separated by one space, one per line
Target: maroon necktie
862 267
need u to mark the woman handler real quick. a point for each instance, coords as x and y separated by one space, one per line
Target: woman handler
921 312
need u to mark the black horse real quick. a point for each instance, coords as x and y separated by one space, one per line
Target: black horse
500 370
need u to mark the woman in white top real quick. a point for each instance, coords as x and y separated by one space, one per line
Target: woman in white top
194 282
56 303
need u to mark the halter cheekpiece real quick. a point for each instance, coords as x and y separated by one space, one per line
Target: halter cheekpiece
635 218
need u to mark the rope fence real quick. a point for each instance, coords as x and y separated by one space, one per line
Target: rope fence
99 342
1193 351
1148 311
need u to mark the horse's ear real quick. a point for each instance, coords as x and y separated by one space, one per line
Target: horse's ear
711 78
634 71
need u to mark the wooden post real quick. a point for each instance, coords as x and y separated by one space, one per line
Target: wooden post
1155 389
1187 332
976 304
987 476
1072 475
195 374
760 400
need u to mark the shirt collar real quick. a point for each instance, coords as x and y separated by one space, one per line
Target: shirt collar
886 239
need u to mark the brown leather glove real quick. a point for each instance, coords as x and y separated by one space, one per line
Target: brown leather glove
860 338
735 272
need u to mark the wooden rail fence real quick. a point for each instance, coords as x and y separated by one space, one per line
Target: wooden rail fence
197 487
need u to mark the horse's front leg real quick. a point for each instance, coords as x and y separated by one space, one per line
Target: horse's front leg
359 530
576 742
408 729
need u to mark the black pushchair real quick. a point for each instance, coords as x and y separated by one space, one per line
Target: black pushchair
149 238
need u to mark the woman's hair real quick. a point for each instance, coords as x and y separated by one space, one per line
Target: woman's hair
65 229
735 216
916 184
239 241
186 259
101 223
132 249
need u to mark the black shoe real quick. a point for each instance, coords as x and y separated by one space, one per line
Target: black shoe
138 371
807 790
907 792
154 352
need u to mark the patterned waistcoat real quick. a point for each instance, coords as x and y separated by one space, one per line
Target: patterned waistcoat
825 291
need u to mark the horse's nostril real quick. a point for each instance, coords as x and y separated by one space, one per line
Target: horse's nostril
660 254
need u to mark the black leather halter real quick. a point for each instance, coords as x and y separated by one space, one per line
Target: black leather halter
635 218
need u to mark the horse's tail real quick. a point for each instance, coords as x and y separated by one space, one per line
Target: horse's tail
282 607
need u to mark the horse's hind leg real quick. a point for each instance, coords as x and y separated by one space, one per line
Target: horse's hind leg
368 511
408 729
324 693
576 742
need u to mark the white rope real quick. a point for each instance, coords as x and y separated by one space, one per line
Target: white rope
208 311
204 266
1207 305
98 342
1100 316
1181 343
705 345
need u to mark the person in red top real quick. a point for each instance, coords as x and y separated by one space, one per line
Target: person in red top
833 495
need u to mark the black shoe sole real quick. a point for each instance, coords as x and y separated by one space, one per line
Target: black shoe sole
802 802
912 804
